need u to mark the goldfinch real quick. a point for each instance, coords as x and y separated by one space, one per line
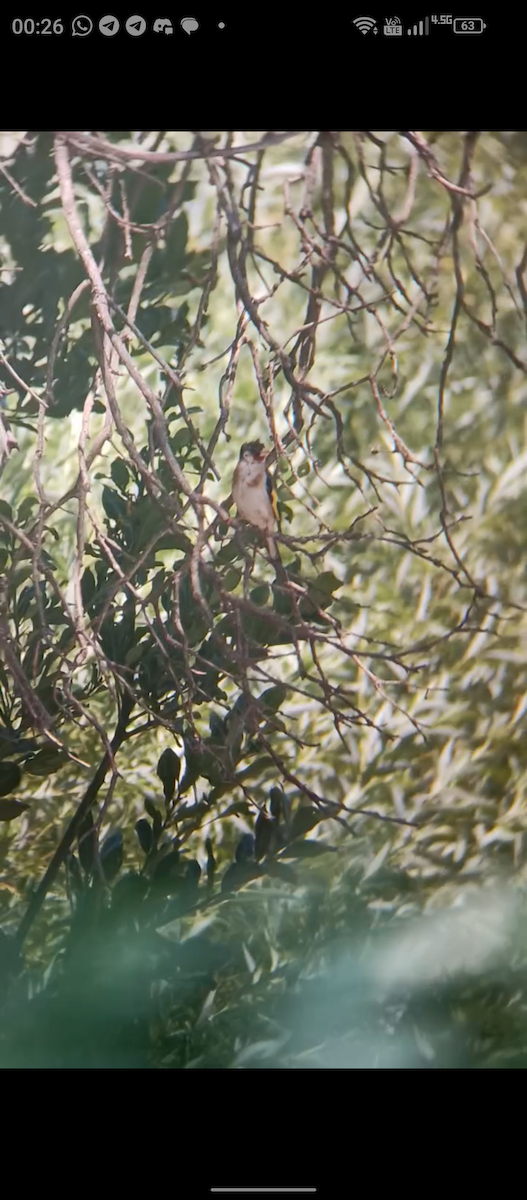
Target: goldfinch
253 493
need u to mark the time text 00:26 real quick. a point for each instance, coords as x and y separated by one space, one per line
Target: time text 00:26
45 25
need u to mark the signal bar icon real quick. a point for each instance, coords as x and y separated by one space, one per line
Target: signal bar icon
418 30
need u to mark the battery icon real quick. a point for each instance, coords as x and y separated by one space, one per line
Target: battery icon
469 25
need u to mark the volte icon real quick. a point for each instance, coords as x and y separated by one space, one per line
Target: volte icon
393 27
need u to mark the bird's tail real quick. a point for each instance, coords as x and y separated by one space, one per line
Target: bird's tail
273 549
274 555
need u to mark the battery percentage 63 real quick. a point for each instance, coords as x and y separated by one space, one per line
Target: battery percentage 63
469 25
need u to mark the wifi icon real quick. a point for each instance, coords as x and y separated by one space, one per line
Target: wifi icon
365 24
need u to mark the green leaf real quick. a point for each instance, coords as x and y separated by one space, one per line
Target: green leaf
120 474
217 727
273 697
328 582
26 508
173 539
320 591
183 437
192 765
227 553
46 762
155 815
128 894
254 769
145 834
211 864
279 870
245 848
147 519
75 879
238 874
264 829
239 808
10 776
9 809
232 579
306 849
260 595
113 504
87 840
111 854
176 239
276 802
168 870
304 819
189 191
168 769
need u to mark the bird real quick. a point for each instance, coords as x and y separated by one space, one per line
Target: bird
253 493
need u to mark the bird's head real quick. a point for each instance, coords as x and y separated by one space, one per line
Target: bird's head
253 452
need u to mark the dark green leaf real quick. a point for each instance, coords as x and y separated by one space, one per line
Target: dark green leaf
211 864
231 579
182 437
111 854
304 819
26 509
88 841
279 870
238 874
145 834
176 239
328 582
217 727
255 769
128 894
260 595
245 848
120 474
156 817
168 769
10 776
168 872
276 799
192 765
273 697
46 762
75 875
9 809
114 506
306 849
263 832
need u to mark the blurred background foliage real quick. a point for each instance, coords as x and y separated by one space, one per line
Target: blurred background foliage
304 843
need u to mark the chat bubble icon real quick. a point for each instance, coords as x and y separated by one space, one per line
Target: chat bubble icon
81 26
189 24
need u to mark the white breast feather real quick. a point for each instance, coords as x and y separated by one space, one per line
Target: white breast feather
250 496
